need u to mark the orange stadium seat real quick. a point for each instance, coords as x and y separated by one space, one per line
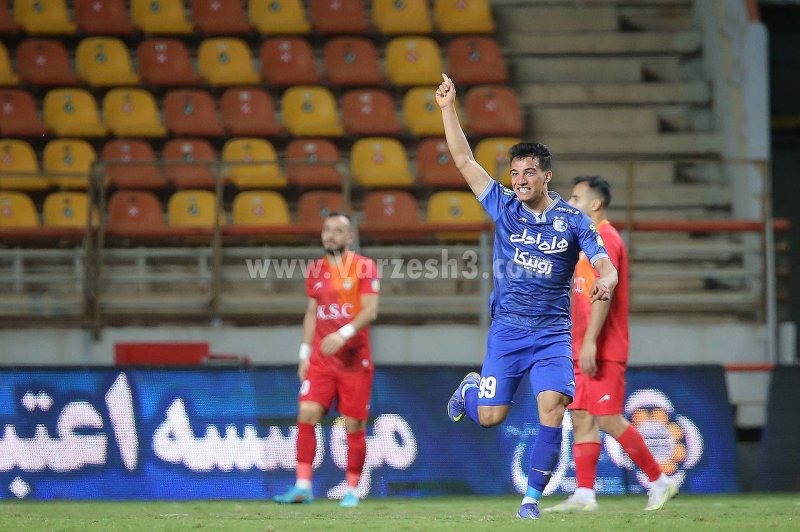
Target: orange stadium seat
44 62
132 113
192 208
17 211
72 113
105 62
224 62
493 111
253 164
7 75
288 61
166 63
220 17
474 60
463 16
260 208
338 16
278 17
68 163
413 61
370 112
18 115
249 112
43 17
409 17
455 207
19 169
378 162
312 163
132 211
160 17
103 17
7 24
352 61
310 112
314 207
492 154
191 112
395 208
136 167
66 210
187 163
421 112
435 166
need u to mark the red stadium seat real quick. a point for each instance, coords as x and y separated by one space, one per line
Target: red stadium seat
249 112
132 212
126 174
435 166
394 208
352 61
314 207
220 17
44 62
474 60
7 24
166 63
190 113
338 16
369 112
311 163
103 17
493 111
186 163
18 115
288 61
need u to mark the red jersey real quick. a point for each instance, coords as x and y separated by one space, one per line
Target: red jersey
612 342
337 290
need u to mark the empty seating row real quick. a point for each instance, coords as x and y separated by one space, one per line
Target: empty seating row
227 17
305 111
285 61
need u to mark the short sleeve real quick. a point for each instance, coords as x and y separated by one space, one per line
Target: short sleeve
309 284
590 240
494 198
369 281
613 247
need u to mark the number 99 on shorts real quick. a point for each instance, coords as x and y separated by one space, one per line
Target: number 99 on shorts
488 387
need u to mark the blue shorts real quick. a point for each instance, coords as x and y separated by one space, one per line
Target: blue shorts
546 356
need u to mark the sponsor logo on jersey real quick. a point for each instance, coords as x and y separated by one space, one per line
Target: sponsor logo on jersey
533 263
548 247
559 225
347 284
376 285
334 311
566 209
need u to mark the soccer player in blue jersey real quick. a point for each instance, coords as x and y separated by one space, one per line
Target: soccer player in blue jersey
538 240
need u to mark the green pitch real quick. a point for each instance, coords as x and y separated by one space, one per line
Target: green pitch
738 512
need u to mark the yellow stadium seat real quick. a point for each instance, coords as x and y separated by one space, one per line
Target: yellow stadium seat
19 169
262 208
68 163
105 62
463 16
192 208
455 207
224 62
160 16
66 209
310 112
413 61
407 17
421 112
43 17
72 113
260 168
278 17
132 113
7 75
492 154
17 211
380 162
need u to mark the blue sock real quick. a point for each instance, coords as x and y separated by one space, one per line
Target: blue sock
544 460
471 400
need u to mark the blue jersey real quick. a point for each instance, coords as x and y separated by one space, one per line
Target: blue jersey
534 258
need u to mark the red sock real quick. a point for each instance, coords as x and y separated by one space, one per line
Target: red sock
586 455
633 443
306 448
356 455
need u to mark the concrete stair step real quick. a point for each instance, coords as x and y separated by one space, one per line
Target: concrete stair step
672 144
597 43
656 17
630 93
546 19
616 173
611 120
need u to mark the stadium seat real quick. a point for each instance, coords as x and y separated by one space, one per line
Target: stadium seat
187 163
380 163
103 17
192 208
132 113
260 208
314 207
105 62
435 166
278 17
165 17
19 169
130 212
18 115
312 163
43 17
310 112
352 61
421 112
394 208
455 207
7 24
220 17
191 112
66 210
72 113
17 211
7 75
253 164
288 61
166 63
463 16
476 60
338 16
224 62
68 163
129 172
408 17
493 111
370 112
413 61
249 112
44 62
492 154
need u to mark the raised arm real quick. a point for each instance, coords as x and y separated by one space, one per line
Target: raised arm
473 173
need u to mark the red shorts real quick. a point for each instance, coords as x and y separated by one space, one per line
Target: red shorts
603 394
352 387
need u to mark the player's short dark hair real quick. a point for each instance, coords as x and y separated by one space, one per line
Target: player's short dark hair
530 149
344 215
598 185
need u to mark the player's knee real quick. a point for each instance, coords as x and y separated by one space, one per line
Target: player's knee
491 418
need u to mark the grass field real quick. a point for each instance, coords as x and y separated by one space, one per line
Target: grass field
739 512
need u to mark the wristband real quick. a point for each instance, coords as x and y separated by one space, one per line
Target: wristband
347 331
305 352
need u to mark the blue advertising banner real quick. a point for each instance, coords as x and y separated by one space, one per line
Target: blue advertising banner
207 433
